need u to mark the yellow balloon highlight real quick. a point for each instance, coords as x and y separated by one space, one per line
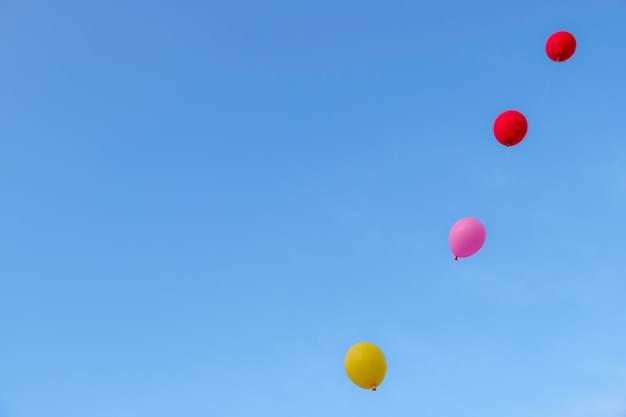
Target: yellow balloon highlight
365 365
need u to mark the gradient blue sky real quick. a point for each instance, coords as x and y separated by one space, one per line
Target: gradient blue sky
206 203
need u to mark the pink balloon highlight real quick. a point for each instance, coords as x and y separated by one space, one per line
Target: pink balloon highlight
466 237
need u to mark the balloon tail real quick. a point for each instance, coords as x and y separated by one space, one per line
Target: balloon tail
543 94
497 178
374 405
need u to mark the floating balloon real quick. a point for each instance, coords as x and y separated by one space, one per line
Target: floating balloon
365 365
510 127
466 237
561 46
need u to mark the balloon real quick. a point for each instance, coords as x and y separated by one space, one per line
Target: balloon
365 365
561 46
510 127
466 237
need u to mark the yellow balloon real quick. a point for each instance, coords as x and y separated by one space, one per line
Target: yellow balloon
365 365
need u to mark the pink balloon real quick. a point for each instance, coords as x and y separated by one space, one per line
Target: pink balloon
466 237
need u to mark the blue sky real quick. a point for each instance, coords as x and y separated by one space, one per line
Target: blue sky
205 204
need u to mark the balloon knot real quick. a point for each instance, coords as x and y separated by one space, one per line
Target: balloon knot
456 258
373 387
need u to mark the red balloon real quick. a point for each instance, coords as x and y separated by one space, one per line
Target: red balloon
510 127
561 46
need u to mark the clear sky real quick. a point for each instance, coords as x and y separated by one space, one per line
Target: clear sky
204 204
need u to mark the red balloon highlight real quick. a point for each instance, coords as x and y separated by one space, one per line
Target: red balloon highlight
561 46
510 127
